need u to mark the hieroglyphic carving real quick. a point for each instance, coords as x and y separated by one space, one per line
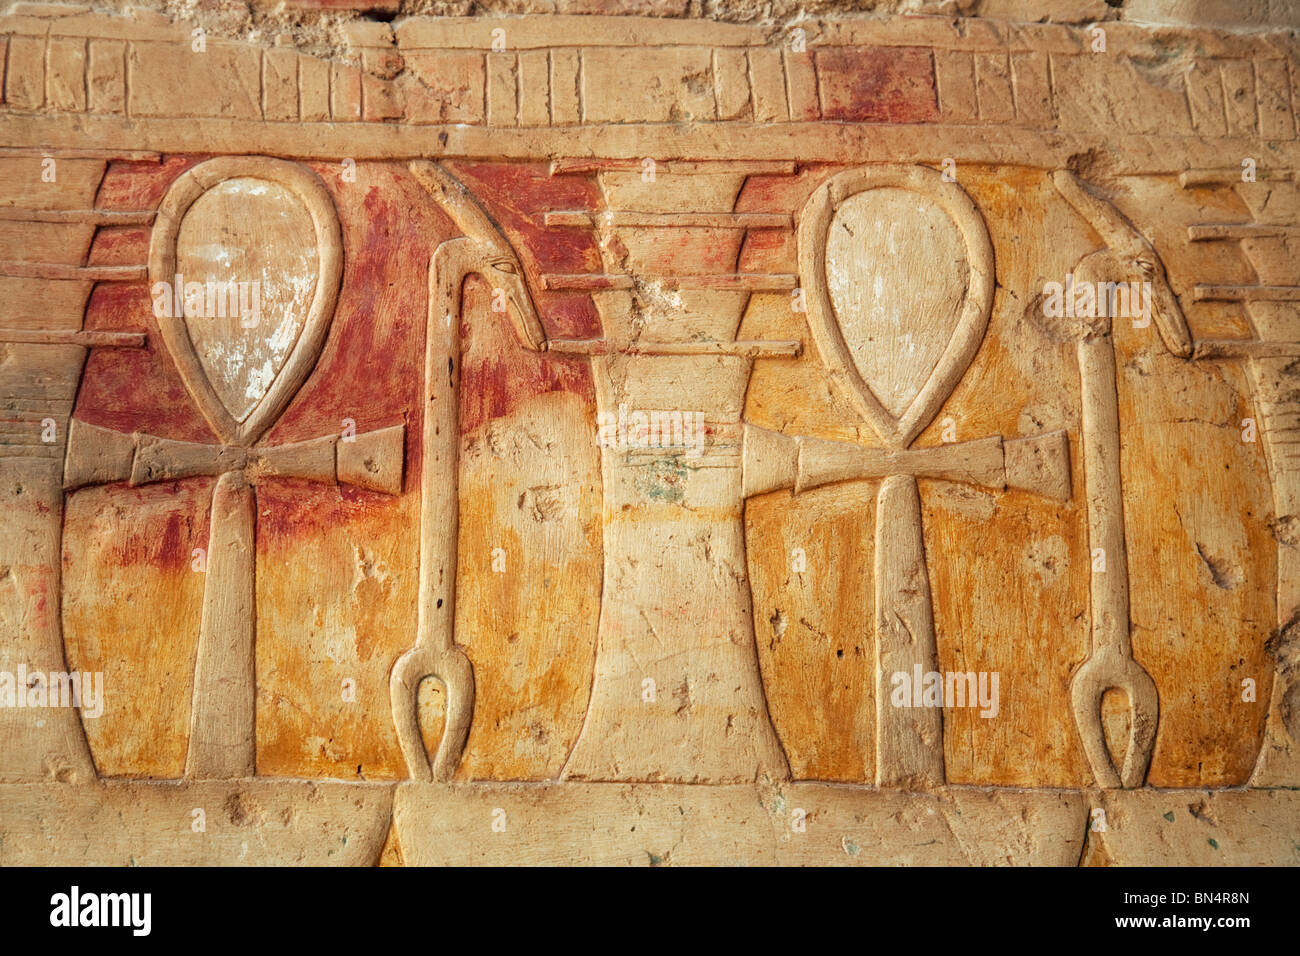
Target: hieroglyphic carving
1110 664
1268 243
897 370
482 250
1027 98
46 233
223 713
198 365
677 694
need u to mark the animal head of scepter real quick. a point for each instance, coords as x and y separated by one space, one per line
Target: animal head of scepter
1127 252
496 261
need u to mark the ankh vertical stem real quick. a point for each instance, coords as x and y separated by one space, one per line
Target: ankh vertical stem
909 738
223 743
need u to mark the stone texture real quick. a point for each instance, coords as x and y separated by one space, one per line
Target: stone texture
803 824
637 396
243 823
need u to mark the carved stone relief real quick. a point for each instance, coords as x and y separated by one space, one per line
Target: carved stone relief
640 440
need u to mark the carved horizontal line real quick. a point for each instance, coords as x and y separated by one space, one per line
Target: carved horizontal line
1244 348
90 217
56 270
24 416
55 396
30 378
716 442
1224 177
29 440
671 220
752 167
707 457
617 29
89 339
815 141
599 282
38 406
589 282
14 378
16 450
1246 293
1201 231
125 155
746 349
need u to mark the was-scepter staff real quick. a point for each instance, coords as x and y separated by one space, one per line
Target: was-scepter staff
484 251
1110 664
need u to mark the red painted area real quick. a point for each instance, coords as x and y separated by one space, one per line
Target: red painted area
878 85
174 533
120 246
567 315
518 196
371 367
783 193
497 374
775 250
134 186
38 601
166 522
768 250
134 389
372 364
291 509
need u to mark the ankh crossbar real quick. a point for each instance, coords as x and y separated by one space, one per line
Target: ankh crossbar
223 713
